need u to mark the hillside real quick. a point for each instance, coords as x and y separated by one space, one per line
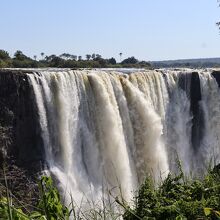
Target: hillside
190 63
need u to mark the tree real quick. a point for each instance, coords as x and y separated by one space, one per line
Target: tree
120 54
88 56
73 57
35 57
42 55
144 64
130 60
79 58
65 56
112 61
57 62
93 56
102 62
98 56
49 58
4 55
19 55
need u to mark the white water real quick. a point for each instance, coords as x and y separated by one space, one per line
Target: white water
210 104
104 130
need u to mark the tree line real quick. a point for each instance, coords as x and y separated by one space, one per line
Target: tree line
66 60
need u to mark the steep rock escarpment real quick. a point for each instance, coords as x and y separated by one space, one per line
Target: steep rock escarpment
21 146
216 74
18 120
197 120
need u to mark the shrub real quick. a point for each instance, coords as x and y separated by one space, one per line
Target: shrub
177 198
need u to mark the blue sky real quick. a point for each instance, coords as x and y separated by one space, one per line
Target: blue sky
146 29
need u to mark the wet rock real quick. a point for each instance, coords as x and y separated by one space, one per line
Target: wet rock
19 117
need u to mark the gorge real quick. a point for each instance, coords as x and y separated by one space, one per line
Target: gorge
95 129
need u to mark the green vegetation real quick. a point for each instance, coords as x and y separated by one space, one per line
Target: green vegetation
66 60
177 198
49 207
188 63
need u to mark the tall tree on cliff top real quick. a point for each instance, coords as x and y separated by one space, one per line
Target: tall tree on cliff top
4 55
42 55
93 56
20 56
88 56
73 57
65 56
120 54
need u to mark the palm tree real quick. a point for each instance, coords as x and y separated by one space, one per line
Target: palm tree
35 57
93 56
120 54
42 54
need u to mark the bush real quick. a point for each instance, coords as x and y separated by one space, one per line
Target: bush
50 206
177 198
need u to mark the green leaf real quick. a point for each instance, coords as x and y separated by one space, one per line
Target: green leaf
207 211
35 215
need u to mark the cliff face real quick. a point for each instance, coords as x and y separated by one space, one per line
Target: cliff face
20 133
18 120
197 120
19 125
216 74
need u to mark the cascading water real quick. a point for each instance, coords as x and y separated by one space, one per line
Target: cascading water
210 105
104 129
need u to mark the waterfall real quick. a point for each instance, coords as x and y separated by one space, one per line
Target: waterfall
210 105
107 130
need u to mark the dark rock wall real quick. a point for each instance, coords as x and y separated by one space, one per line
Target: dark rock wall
18 112
197 113
190 83
216 75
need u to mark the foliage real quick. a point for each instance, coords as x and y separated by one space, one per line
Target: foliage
177 198
112 61
66 60
51 202
9 212
5 60
50 206
130 60
88 56
4 55
20 56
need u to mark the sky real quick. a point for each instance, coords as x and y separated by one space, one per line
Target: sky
146 29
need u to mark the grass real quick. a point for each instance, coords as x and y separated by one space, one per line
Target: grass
176 198
50 206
